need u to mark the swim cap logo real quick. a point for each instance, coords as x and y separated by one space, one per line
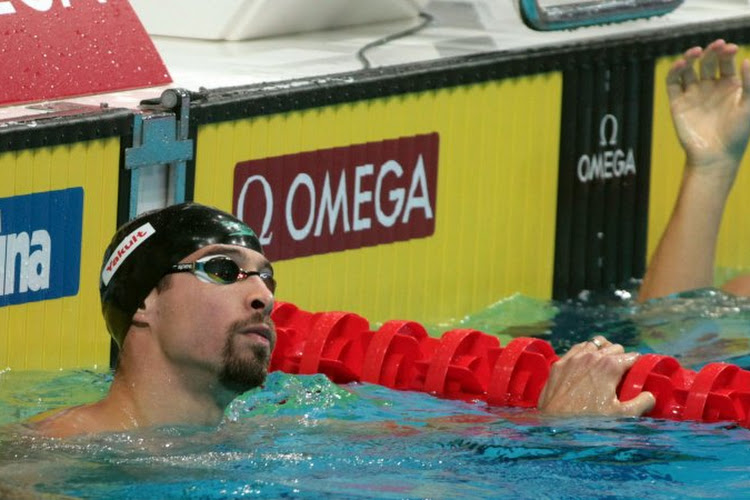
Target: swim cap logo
238 229
125 249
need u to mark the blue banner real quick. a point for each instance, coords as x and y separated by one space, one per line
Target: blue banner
40 246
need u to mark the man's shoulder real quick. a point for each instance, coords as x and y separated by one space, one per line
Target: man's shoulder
738 286
65 422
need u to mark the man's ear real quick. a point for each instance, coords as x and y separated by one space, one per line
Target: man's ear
143 314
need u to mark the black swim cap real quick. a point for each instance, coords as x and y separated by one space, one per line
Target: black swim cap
143 250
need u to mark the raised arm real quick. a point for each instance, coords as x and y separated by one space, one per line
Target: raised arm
710 108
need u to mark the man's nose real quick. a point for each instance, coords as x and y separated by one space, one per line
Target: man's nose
259 296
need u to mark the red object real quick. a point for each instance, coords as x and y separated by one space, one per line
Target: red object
461 365
712 398
469 364
520 373
392 355
336 347
51 49
293 328
664 378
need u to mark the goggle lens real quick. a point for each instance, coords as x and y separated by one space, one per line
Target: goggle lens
222 270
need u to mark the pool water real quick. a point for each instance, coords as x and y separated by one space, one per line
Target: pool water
304 437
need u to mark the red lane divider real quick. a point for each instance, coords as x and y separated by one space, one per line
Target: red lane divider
712 398
664 378
520 373
461 365
292 328
393 355
472 365
335 348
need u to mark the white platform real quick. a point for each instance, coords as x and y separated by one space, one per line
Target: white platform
250 19
460 27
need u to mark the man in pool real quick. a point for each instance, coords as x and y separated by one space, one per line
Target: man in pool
711 113
187 295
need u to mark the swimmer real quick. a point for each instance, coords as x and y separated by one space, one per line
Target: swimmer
710 108
187 294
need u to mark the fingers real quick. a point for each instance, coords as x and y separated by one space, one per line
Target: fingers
709 62
745 68
639 405
599 342
681 75
587 346
616 368
717 60
726 60
718 55
612 349
674 79
613 365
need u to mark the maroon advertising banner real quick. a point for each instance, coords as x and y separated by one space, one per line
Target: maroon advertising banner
342 198
51 49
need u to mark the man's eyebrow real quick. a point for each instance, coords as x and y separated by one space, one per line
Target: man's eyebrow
265 265
229 251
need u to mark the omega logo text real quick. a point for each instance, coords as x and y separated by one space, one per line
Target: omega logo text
342 198
609 161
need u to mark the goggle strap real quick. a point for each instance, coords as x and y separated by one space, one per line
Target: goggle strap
183 267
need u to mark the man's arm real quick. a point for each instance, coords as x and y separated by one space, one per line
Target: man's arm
711 114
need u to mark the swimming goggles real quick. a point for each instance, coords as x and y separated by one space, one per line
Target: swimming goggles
222 270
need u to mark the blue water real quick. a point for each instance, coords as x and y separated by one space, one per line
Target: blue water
304 437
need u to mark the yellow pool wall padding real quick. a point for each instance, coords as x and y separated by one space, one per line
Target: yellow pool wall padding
496 197
68 332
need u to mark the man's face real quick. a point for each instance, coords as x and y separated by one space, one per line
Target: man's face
223 331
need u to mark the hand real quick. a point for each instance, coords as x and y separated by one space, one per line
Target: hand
584 382
711 112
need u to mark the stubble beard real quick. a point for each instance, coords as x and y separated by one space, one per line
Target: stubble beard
240 374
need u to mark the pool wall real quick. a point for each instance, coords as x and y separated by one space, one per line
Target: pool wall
58 209
425 191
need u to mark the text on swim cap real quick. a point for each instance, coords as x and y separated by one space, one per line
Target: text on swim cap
125 249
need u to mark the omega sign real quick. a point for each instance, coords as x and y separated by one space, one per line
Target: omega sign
342 198
610 161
